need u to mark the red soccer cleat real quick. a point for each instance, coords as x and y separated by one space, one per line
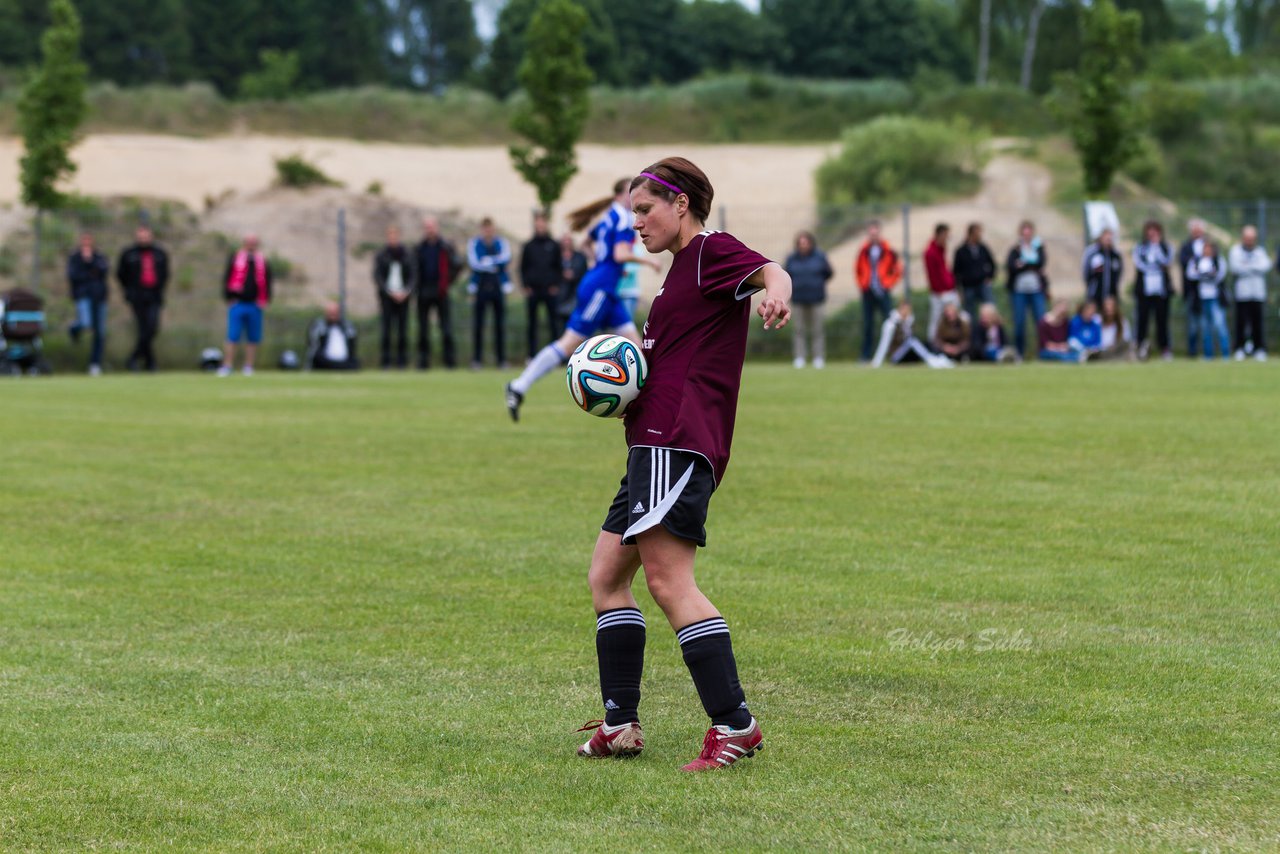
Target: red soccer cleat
724 746
606 741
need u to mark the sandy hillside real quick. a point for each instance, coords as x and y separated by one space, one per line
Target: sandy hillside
764 191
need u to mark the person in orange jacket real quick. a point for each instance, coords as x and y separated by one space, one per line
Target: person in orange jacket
877 270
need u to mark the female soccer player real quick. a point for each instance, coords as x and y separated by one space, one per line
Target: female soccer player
598 306
678 433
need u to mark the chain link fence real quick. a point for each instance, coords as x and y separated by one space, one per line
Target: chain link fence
322 245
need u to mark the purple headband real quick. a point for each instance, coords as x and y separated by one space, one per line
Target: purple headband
672 187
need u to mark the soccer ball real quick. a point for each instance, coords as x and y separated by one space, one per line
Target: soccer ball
605 374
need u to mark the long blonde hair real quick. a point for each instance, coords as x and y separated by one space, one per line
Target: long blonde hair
582 217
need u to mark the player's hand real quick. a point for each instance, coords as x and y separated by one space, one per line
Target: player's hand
776 312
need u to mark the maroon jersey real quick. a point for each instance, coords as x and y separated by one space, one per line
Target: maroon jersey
695 341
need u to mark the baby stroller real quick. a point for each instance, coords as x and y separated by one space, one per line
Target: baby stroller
21 324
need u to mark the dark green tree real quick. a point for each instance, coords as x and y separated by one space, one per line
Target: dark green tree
341 43
21 22
599 43
719 36
1098 109
225 40
437 42
652 40
856 38
50 112
555 78
132 42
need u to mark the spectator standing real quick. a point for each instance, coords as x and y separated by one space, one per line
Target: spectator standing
1103 269
247 290
1250 264
540 276
1192 247
573 267
393 276
1028 285
1208 274
1084 335
87 272
1117 338
1053 332
1151 259
143 272
489 254
942 283
876 270
899 343
974 268
331 342
436 267
993 344
953 338
810 271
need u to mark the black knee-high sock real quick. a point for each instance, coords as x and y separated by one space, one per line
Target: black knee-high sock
620 650
708 653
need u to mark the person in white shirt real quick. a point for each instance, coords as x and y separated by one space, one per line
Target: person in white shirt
1207 273
1117 337
331 342
1249 263
1151 259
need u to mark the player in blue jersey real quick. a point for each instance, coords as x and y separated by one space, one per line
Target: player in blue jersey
598 306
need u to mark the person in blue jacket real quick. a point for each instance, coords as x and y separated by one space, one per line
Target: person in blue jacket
87 271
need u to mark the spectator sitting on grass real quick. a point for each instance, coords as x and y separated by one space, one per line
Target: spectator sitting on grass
953 338
993 345
1084 335
1117 337
331 342
899 343
1054 343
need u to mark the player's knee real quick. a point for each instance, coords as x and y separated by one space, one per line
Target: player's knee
666 588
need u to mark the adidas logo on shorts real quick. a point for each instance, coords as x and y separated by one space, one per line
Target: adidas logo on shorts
639 508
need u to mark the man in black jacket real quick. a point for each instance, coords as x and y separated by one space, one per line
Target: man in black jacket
437 264
87 271
1192 248
393 276
975 269
143 273
540 273
1103 268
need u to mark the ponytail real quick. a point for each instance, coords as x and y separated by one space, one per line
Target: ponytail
581 218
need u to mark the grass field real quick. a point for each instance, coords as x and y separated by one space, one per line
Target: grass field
1031 608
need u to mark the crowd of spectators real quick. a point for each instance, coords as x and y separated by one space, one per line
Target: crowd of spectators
966 324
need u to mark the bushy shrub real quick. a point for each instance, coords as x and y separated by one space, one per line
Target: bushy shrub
276 80
899 158
1001 109
298 172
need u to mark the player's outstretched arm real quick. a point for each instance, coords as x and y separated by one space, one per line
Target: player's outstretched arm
776 306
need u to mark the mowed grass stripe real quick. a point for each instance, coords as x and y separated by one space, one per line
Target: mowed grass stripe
1024 608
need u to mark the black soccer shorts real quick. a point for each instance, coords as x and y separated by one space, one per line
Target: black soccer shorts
662 487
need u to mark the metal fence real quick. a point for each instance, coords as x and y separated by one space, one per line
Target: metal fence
324 250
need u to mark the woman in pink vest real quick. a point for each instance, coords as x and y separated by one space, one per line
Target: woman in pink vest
247 290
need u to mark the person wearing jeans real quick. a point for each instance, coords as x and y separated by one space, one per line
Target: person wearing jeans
975 269
1055 338
489 254
1028 285
810 271
1207 273
143 272
877 269
87 271
1151 259
1250 263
